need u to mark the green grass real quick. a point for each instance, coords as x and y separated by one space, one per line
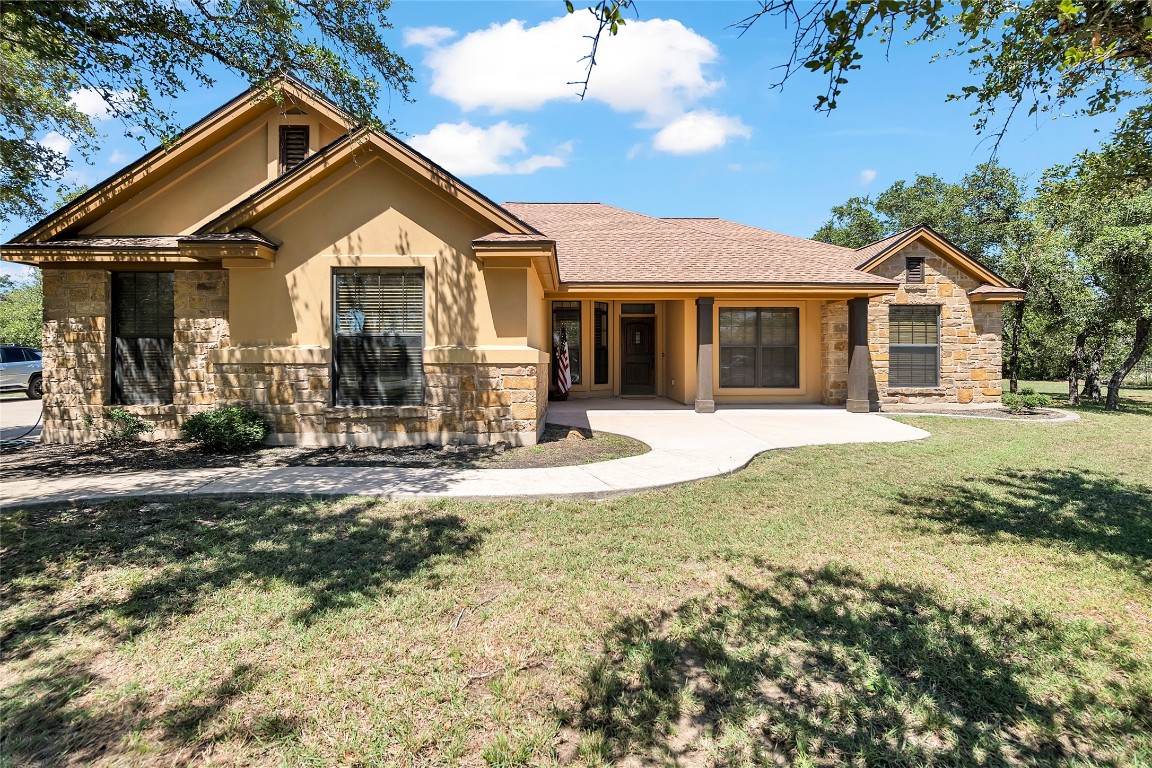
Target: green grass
982 597
1059 389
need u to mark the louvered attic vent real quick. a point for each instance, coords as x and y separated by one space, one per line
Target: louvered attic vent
293 146
914 269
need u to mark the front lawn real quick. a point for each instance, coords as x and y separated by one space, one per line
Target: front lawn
982 597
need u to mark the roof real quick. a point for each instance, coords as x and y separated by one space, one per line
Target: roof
872 250
597 243
995 290
148 242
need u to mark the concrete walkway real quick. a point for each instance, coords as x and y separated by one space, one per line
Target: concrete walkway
685 446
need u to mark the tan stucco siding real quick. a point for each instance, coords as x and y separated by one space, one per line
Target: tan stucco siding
183 198
970 334
369 215
680 334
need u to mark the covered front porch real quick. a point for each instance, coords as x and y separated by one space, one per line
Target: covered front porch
729 348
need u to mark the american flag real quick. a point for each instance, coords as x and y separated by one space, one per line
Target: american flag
563 372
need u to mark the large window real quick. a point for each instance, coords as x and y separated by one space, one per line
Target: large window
142 322
566 322
760 347
600 341
379 319
913 345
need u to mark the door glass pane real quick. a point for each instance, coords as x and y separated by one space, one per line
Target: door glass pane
600 331
566 322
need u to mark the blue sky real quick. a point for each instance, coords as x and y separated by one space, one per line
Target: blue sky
680 119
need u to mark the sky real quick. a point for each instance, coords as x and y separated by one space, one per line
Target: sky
680 118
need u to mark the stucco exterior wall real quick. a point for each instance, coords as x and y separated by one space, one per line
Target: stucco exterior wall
970 334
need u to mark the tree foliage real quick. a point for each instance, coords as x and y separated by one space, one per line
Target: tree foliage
21 311
141 55
982 213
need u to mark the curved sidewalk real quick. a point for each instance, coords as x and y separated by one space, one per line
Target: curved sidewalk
685 446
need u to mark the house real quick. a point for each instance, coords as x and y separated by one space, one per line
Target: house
356 293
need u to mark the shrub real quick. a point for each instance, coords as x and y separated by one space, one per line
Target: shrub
226 430
120 427
1027 399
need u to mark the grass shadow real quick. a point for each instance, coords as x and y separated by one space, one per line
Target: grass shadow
826 668
334 555
1088 511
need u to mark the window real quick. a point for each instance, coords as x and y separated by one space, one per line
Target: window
293 146
379 333
566 322
760 347
600 341
638 309
914 348
142 322
914 269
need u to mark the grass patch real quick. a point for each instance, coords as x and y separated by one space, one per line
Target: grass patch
980 597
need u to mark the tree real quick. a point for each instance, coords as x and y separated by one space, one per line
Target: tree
140 55
982 214
21 311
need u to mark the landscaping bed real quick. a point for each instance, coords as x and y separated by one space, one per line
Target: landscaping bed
560 446
1039 414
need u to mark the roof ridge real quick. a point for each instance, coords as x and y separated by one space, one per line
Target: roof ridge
889 237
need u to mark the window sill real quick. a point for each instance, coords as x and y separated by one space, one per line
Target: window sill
917 391
376 411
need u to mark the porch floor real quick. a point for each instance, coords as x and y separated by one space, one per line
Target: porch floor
685 446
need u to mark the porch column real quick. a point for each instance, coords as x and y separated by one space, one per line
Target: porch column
704 401
859 359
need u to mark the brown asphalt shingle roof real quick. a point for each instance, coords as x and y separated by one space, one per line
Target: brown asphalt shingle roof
870 251
598 243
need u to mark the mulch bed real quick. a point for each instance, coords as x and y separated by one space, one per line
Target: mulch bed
561 446
1041 414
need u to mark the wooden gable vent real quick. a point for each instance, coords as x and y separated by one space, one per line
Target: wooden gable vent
914 269
293 146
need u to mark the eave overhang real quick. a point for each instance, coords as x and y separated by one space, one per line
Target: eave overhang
537 254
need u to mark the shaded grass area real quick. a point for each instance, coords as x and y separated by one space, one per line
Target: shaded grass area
558 447
981 597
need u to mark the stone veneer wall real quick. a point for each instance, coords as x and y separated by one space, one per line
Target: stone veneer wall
834 352
473 403
77 351
970 334
466 403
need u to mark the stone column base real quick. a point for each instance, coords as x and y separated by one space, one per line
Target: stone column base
705 406
858 406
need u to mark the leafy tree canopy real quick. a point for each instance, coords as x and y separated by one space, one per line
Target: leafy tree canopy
982 214
141 55
21 314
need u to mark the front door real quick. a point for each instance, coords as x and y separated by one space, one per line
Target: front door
639 356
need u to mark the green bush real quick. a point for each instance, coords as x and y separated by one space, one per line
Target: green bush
226 430
120 427
1027 399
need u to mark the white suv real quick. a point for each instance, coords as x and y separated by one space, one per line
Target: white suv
21 368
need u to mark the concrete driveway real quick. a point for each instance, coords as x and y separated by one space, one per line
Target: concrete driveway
685 446
17 416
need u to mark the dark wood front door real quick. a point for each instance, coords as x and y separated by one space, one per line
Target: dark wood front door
639 356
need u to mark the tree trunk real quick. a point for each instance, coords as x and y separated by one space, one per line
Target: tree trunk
1074 368
1092 375
1139 347
1014 346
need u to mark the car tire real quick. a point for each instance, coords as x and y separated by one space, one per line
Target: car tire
36 387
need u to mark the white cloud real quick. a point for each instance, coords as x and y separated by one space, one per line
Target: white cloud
867 176
57 143
427 37
118 158
656 68
91 103
469 150
699 131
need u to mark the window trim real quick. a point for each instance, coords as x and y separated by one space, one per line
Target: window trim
756 391
334 365
935 347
